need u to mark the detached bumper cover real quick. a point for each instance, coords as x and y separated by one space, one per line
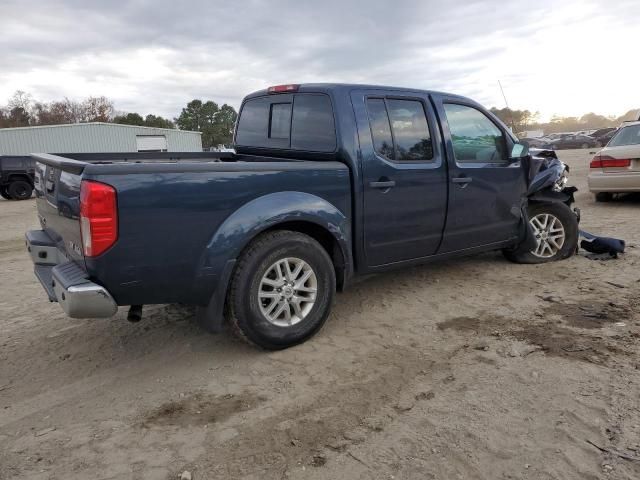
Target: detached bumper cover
66 282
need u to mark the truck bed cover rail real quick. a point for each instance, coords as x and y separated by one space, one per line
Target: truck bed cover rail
76 162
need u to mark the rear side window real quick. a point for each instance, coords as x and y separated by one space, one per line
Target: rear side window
399 129
297 122
475 138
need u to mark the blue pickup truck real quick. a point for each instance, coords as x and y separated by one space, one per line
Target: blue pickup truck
328 181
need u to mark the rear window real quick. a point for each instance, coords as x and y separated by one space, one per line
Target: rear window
626 136
298 122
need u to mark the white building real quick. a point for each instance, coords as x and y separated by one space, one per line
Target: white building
96 137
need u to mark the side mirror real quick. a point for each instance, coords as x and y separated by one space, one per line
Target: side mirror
519 150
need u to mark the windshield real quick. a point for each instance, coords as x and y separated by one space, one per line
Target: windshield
626 136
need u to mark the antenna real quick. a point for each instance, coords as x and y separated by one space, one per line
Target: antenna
513 128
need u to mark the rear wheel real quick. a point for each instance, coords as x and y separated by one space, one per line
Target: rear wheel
282 290
4 194
585 145
20 190
555 228
604 197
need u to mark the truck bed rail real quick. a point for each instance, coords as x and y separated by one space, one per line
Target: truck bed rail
76 162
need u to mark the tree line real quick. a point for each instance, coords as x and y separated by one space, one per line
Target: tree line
523 120
215 122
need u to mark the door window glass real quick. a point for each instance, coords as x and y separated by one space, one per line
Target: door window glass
475 138
399 129
380 128
410 130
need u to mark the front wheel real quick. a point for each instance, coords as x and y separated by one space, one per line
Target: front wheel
281 291
555 228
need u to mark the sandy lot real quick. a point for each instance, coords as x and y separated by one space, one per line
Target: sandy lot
475 368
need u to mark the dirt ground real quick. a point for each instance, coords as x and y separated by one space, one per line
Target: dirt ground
473 368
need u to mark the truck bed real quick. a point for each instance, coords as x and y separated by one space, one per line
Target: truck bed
179 214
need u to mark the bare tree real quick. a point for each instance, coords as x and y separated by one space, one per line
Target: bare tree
97 109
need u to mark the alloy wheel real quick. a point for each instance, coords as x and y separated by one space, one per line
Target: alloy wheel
287 292
549 233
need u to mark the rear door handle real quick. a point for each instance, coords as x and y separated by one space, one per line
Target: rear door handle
461 179
384 184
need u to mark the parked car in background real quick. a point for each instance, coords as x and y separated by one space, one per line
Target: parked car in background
536 142
603 139
554 136
573 141
603 135
16 177
602 131
328 181
616 168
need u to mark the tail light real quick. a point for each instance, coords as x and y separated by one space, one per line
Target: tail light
283 88
605 161
98 217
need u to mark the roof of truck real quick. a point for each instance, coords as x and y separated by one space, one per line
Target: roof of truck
326 87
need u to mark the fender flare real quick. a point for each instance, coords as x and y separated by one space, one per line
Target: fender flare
236 232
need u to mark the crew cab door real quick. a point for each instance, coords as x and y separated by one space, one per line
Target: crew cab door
485 186
403 173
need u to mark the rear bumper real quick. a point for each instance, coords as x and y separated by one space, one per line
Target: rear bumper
614 182
66 282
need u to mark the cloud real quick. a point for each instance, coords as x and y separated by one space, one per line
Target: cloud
153 57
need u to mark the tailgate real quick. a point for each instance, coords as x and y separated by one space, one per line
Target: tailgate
58 203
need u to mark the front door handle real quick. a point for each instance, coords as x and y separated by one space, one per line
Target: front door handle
386 184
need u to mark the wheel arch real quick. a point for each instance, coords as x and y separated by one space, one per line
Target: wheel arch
296 211
12 177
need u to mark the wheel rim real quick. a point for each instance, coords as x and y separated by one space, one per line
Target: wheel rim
287 292
549 233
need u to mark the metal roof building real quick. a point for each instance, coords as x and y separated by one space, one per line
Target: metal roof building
96 137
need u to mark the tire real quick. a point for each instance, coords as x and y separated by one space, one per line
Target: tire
255 277
585 145
20 190
4 194
604 197
565 219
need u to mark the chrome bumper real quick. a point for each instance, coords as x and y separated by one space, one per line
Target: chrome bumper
66 282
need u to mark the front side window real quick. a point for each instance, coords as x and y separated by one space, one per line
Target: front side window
399 129
475 138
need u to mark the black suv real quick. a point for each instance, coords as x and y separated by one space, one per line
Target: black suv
16 177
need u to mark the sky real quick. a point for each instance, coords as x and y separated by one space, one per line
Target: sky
553 56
